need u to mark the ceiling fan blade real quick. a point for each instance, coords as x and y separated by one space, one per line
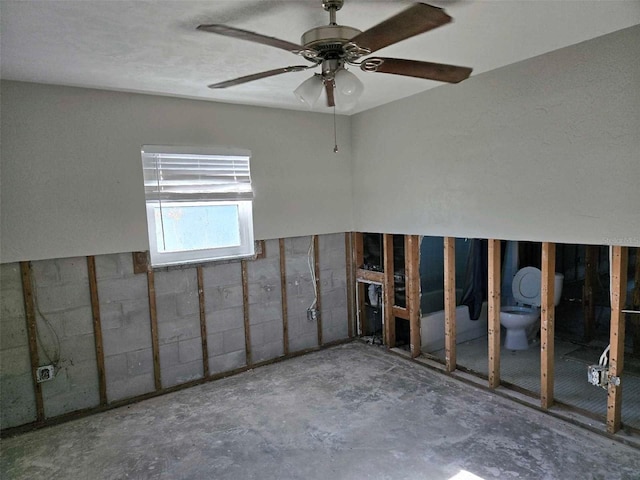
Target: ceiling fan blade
413 68
252 37
417 19
258 76
330 86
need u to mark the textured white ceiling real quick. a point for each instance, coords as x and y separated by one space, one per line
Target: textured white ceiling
153 47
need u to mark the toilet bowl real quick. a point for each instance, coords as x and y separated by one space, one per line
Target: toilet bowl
521 317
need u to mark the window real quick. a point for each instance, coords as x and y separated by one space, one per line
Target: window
199 203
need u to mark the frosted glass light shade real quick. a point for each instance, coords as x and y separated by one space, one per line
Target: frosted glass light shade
309 91
348 89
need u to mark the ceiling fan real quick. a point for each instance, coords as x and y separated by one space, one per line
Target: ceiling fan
333 47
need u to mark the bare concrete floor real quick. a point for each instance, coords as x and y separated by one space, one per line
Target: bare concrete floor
350 412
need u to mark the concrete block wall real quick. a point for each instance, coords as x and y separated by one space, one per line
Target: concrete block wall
178 313
66 336
126 327
225 316
265 304
333 287
18 401
303 333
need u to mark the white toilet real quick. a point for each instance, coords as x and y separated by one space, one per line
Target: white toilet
517 319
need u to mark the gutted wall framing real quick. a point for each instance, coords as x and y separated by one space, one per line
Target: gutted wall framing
116 336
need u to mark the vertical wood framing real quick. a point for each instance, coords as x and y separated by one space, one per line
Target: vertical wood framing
30 314
316 270
349 262
97 328
283 290
616 354
153 314
360 294
412 271
245 310
494 313
450 303
590 278
388 290
203 323
547 324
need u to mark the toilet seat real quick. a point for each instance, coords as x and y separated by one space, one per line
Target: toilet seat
526 286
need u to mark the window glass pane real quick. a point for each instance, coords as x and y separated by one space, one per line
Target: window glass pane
196 227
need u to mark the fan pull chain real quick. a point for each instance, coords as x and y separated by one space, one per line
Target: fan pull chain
335 134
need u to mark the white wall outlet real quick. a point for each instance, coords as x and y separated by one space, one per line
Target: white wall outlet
44 374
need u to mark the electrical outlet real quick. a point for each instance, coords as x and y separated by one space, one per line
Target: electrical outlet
44 374
598 375
312 314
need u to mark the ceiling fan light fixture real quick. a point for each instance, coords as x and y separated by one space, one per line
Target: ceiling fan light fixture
309 91
348 85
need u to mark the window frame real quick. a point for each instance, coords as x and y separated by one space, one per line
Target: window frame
246 247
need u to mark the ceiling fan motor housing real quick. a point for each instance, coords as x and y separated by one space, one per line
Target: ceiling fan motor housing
328 40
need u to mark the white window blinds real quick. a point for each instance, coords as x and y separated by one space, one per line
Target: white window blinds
172 173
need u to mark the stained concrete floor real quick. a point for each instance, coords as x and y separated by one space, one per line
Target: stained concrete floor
349 412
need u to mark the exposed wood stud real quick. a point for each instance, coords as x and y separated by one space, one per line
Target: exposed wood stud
388 289
547 324
412 271
616 354
400 312
283 290
370 275
360 290
97 328
494 313
590 279
316 269
203 322
153 314
634 320
260 249
32 333
450 303
349 261
140 262
245 310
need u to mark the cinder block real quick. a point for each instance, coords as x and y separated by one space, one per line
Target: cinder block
73 270
181 373
14 362
126 339
45 273
168 357
223 297
257 335
215 344
264 312
260 293
55 298
10 275
185 328
176 281
136 312
139 362
267 352
222 320
17 402
220 274
228 361
122 289
11 302
297 265
297 245
111 315
190 350
78 348
265 270
166 310
130 387
115 367
187 303
273 331
77 321
108 266
303 342
233 340
334 298
13 333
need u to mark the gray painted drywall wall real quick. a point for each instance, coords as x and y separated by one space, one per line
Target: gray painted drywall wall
72 175
547 149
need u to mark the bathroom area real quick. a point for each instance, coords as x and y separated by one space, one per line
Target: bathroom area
582 319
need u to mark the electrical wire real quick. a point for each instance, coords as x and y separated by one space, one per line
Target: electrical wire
312 269
55 361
